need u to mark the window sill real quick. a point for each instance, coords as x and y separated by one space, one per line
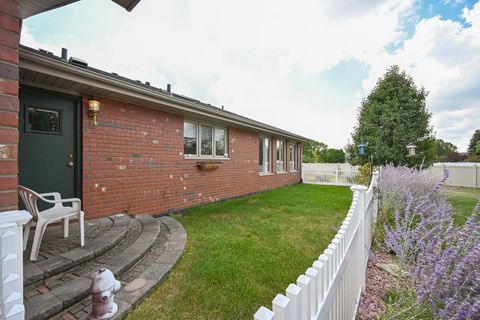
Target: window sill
262 174
282 172
205 158
294 171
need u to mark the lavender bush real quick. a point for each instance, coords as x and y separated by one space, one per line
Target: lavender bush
421 219
400 189
447 272
398 184
443 259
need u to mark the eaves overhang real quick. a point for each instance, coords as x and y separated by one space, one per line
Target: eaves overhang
30 8
68 78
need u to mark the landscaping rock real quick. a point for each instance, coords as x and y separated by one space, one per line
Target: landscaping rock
378 283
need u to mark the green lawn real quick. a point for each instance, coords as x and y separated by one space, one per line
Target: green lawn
242 252
463 201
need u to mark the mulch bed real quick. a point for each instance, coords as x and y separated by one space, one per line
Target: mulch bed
378 283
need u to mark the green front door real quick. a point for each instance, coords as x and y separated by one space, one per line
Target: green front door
48 149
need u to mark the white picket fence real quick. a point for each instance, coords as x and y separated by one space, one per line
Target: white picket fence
331 287
339 174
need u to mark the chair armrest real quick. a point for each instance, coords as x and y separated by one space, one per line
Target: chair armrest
76 203
56 196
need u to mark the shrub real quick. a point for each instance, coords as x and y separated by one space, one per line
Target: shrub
397 186
420 220
443 259
364 175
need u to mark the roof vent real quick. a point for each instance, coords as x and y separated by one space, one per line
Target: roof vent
169 88
64 54
78 62
147 83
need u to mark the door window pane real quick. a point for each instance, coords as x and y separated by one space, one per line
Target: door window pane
42 120
189 138
220 142
206 145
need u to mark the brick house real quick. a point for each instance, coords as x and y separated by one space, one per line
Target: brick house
146 151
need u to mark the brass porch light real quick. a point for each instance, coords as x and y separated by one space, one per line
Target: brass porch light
93 109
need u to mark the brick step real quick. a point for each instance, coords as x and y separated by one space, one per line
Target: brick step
144 275
63 289
58 254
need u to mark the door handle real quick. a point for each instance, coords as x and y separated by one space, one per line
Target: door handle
70 164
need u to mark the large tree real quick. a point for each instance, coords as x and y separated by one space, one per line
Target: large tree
443 148
333 156
393 116
312 151
474 142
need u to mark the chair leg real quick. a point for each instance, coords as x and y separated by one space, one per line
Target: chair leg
82 230
37 238
66 222
26 233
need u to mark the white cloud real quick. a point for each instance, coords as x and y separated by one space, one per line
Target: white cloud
444 57
255 57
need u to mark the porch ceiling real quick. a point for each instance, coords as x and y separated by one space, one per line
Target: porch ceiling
30 8
47 71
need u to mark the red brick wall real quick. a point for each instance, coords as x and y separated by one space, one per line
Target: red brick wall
9 41
133 162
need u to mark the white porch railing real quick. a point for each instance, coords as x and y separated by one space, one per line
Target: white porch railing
331 287
11 264
338 174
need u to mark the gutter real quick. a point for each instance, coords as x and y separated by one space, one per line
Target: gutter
34 61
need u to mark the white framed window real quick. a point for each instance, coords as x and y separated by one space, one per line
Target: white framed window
264 154
203 140
220 142
293 148
206 140
281 156
190 135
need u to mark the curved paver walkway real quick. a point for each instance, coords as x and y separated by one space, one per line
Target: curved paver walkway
150 270
58 254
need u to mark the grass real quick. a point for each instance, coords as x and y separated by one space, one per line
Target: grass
463 201
401 304
242 252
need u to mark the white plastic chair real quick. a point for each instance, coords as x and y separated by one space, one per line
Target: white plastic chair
43 218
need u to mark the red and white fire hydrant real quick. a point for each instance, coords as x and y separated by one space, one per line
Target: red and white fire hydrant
103 289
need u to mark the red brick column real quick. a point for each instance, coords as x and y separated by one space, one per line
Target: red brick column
9 42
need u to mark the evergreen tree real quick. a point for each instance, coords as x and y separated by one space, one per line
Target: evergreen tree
393 116
473 143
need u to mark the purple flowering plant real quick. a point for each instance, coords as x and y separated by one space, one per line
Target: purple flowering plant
442 258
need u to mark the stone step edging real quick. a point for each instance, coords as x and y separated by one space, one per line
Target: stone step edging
70 292
36 272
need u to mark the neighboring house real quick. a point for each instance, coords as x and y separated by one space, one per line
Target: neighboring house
142 155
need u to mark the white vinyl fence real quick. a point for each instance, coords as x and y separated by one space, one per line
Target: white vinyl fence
339 174
331 287
460 174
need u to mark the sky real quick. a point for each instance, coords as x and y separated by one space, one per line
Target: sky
303 66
